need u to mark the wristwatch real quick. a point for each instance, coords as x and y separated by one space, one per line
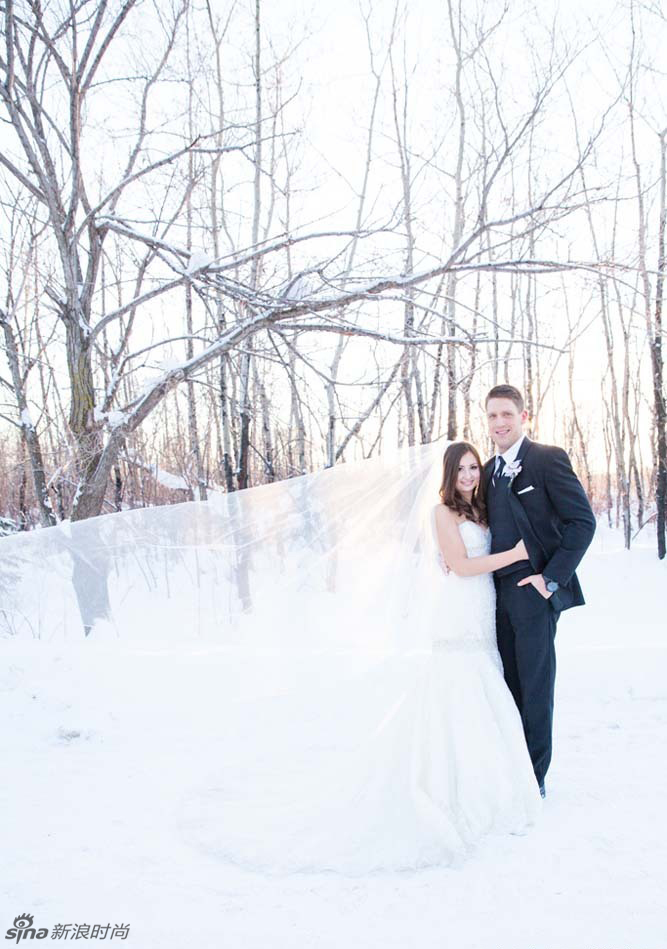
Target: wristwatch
551 585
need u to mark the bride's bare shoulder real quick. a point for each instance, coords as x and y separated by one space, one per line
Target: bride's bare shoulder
446 515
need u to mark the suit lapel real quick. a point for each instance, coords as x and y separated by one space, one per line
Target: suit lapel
526 445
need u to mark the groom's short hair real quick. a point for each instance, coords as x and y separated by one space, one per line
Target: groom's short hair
506 392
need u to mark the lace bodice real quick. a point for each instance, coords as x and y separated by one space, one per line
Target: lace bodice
469 603
476 538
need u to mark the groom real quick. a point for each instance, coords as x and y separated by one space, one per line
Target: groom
533 494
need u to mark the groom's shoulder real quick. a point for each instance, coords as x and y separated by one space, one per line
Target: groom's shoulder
540 450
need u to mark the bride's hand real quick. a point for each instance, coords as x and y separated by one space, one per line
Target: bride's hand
520 551
441 561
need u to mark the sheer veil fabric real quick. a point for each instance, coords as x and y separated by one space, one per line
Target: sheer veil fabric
347 540
371 728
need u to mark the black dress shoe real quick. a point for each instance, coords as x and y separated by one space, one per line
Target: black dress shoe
543 793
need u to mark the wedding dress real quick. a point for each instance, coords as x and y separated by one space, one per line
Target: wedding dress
445 765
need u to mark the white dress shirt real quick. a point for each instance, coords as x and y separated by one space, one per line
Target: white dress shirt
510 454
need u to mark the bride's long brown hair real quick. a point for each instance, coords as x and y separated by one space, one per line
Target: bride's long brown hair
475 509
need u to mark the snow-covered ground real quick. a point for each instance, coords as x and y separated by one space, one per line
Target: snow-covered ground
104 746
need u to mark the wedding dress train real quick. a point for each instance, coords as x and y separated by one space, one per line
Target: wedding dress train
403 764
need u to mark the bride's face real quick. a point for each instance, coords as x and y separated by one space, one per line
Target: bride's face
469 473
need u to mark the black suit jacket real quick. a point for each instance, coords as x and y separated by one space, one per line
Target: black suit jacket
552 514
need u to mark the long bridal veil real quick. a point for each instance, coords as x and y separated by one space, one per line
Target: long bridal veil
320 596
327 561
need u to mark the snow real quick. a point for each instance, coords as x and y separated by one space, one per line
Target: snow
199 259
169 480
123 228
166 478
77 494
107 741
116 418
113 418
302 286
26 419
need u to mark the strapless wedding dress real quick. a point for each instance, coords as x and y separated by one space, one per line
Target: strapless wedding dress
381 776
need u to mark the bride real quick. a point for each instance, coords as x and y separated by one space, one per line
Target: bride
410 760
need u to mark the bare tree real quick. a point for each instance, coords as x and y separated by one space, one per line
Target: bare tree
652 305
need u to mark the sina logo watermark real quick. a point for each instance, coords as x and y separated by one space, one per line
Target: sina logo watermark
23 929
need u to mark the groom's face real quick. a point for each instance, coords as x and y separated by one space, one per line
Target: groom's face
505 422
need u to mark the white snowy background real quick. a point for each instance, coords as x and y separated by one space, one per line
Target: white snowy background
106 747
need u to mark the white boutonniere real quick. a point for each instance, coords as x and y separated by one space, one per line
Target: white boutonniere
512 469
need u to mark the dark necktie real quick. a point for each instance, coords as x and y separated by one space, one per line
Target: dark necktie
500 467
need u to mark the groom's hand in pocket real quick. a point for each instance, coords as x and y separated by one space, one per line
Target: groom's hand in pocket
538 582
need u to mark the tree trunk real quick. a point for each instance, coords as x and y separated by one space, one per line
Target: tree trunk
28 432
657 365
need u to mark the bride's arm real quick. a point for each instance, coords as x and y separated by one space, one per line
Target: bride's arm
454 552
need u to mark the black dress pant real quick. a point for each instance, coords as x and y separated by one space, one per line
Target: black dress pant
526 631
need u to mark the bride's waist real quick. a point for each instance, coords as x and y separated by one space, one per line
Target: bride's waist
479 579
